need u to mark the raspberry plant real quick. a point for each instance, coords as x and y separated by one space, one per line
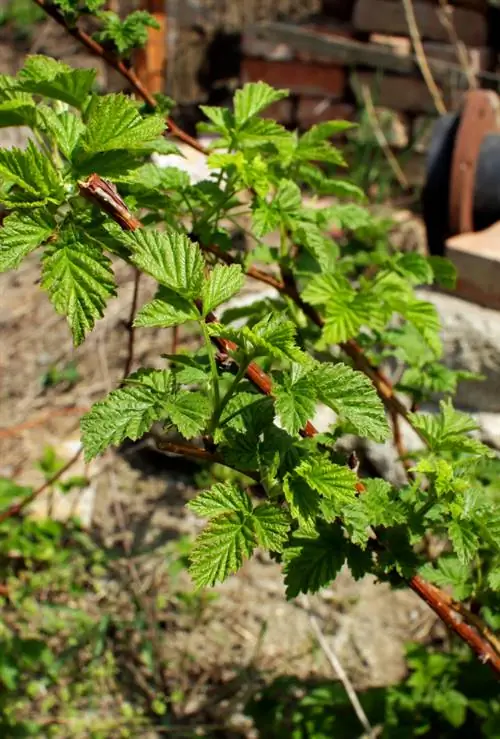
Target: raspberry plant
244 397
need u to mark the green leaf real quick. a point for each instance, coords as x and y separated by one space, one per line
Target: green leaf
313 560
253 98
301 498
353 397
114 123
333 481
220 498
189 411
34 174
415 267
21 234
17 109
221 548
288 198
425 318
79 280
447 431
171 258
129 34
295 398
453 705
320 132
265 218
65 128
223 282
449 571
10 491
464 539
273 336
271 526
45 76
127 413
166 310
445 273
376 507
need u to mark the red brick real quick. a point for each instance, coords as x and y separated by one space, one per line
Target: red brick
313 110
307 78
477 259
388 16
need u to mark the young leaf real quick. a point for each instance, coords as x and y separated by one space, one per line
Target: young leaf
253 98
171 258
21 234
353 397
114 123
129 34
65 128
220 498
16 109
445 273
295 396
447 431
166 310
301 498
464 539
189 411
79 280
222 284
127 413
45 76
34 174
449 571
313 560
221 548
271 526
333 481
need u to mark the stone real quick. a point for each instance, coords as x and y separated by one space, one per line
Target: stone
388 16
471 341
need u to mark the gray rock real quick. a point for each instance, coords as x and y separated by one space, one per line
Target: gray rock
471 341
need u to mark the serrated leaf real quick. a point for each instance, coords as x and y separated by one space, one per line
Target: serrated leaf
449 571
221 548
16 109
301 498
126 413
352 396
425 318
66 128
265 218
220 498
45 76
288 198
166 310
271 526
494 579
313 561
333 481
189 411
320 132
114 123
415 267
273 336
127 34
21 234
223 282
464 539
253 98
32 172
295 398
171 258
79 280
447 431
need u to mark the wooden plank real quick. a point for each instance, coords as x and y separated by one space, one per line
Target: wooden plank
357 54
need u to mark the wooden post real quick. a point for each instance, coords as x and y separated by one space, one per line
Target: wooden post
151 62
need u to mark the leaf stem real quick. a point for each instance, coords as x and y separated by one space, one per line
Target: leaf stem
213 365
229 394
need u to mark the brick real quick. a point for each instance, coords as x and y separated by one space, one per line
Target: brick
388 16
476 257
311 110
407 94
308 78
281 111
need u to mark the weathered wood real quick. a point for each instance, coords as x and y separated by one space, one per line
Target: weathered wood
356 54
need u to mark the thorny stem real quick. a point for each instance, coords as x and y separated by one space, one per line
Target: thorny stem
130 324
465 625
351 348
